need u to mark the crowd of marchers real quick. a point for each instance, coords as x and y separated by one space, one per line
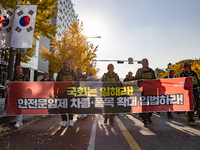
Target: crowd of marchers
144 73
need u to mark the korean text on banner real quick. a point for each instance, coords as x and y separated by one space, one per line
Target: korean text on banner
100 97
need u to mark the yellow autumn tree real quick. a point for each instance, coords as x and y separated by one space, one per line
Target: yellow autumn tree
178 68
74 47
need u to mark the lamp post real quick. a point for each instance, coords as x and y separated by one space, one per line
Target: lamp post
90 65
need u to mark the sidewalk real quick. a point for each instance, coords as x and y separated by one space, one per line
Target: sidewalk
3 117
7 122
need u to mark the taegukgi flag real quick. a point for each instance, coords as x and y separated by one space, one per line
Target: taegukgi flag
6 26
23 27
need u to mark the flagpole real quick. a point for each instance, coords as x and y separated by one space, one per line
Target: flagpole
11 63
18 58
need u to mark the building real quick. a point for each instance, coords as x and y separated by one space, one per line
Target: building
65 16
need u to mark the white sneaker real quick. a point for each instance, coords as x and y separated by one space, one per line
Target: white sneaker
79 116
64 124
18 124
71 123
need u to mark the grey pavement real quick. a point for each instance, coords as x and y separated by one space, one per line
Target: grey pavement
3 117
7 122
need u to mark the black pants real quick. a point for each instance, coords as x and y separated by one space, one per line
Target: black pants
196 105
169 114
5 104
110 117
64 116
146 116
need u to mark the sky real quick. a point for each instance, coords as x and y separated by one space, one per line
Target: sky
163 31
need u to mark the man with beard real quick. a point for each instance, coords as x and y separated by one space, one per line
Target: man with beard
110 76
145 73
65 74
188 72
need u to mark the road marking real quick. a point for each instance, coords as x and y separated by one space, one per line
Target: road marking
132 143
93 135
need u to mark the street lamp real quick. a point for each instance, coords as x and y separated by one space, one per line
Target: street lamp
94 37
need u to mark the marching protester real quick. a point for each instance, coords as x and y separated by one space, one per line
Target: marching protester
66 74
187 72
145 73
171 75
81 77
20 76
91 77
129 77
46 78
110 76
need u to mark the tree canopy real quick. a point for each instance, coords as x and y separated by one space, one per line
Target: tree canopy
74 47
178 68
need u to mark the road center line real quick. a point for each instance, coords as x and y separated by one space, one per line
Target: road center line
132 143
93 135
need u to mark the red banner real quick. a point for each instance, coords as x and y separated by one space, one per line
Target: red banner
97 97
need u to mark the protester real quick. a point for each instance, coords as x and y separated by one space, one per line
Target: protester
20 76
91 77
110 76
129 77
66 74
187 72
46 78
145 73
171 75
81 77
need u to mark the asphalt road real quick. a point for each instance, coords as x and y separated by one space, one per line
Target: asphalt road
93 134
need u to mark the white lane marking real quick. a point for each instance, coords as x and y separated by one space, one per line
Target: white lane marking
93 135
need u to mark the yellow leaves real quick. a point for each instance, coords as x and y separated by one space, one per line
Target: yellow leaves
73 46
178 67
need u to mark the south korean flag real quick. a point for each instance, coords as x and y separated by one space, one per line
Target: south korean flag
6 24
23 27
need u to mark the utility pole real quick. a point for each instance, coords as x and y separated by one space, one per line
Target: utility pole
11 63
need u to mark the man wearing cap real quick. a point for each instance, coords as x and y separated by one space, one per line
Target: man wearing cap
20 76
129 77
46 77
170 75
65 74
187 72
145 73
81 77
110 76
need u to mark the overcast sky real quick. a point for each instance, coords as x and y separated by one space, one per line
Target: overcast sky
163 31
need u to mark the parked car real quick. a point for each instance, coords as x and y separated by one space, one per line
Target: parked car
3 90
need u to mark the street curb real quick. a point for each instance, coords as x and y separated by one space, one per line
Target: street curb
6 119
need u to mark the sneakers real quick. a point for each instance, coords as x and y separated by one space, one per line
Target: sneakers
64 124
192 123
71 123
18 124
79 116
186 115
